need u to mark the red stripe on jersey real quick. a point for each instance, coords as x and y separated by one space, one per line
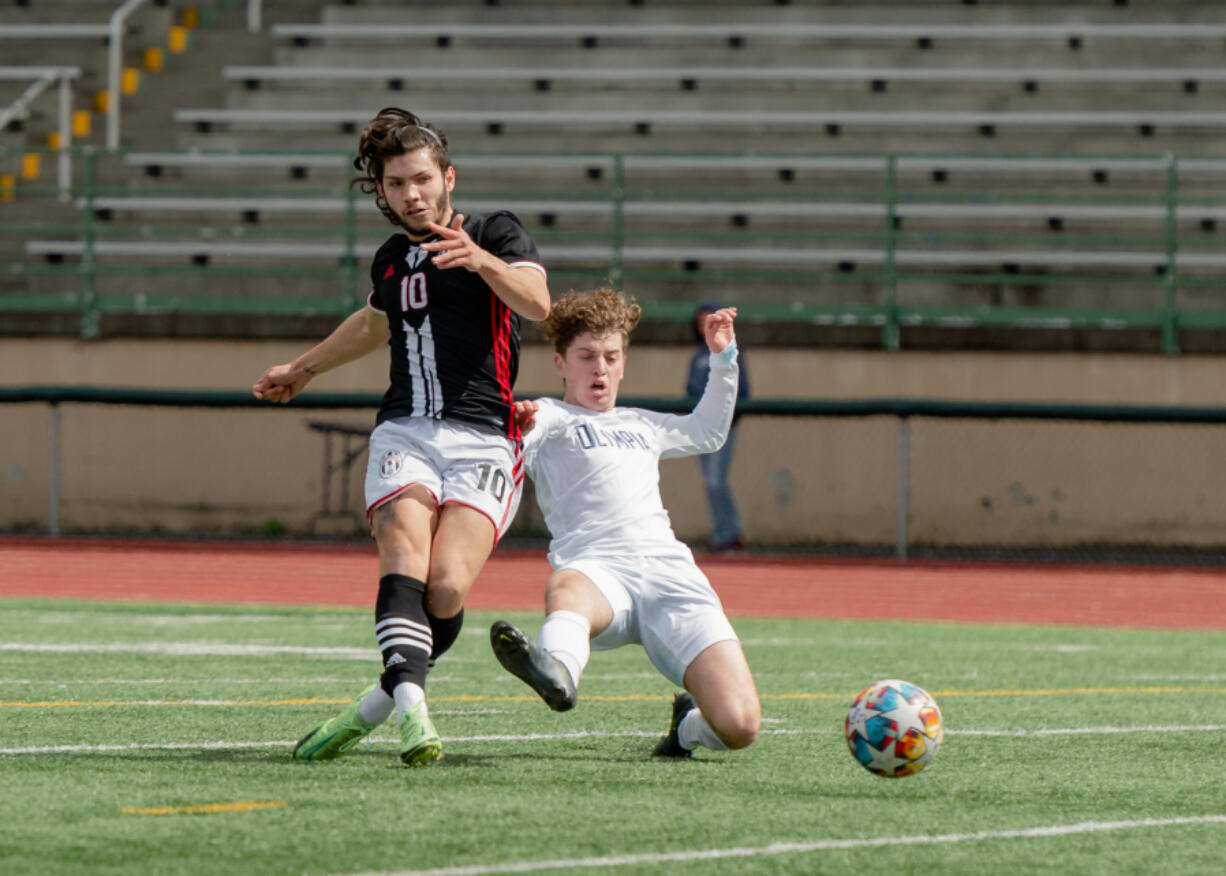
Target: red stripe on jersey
391 269
517 470
500 325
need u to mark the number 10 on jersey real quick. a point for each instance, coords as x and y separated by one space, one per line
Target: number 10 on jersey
413 292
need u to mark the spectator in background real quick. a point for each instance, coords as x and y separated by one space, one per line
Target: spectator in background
726 534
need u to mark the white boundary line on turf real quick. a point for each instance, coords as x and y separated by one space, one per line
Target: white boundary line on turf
1054 830
1088 731
138 746
178 682
188 649
238 746
577 734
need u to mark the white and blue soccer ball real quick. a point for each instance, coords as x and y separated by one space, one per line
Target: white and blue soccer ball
893 728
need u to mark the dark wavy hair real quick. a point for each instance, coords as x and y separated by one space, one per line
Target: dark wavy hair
394 131
601 311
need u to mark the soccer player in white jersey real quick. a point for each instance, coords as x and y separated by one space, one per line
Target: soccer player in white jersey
620 574
444 476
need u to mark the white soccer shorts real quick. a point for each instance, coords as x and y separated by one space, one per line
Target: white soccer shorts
456 463
665 604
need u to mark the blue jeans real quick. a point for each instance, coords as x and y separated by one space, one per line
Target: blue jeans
719 495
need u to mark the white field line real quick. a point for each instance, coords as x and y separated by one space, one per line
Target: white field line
289 743
118 618
215 649
150 746
221 647
189 649
630 860
1093 731
578 734
180 682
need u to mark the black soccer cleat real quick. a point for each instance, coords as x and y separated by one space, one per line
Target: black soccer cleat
670 745
529 662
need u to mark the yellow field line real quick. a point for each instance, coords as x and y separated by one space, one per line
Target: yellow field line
473 698
204 808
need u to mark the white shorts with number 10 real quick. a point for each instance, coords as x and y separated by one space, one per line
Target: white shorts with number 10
456 463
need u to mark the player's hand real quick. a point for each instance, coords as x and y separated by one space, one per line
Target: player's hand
525 414
456 249
718 329
280 383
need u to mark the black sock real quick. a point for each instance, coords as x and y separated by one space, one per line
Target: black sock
403 631
445 631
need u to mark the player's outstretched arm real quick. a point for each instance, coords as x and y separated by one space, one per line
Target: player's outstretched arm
718 329
524 290
360 333
705 429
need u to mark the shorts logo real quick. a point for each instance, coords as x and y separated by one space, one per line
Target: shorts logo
390 465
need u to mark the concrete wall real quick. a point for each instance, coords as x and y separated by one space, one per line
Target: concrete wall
799 480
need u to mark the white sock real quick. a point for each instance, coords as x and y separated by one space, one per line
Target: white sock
376 707
407 695
566 635
695 730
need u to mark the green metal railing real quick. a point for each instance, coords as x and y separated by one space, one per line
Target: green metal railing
808 266
902 409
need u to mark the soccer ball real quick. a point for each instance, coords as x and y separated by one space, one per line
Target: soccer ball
893 728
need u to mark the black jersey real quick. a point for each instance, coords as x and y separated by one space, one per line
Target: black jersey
454 343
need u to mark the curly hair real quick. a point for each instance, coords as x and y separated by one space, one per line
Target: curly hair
394 131
601 311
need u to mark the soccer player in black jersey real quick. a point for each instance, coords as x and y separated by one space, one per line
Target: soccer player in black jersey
444 475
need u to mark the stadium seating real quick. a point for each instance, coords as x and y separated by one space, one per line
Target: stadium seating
1048 157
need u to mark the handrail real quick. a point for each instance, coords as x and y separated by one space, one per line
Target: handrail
841 408
19 109
114 67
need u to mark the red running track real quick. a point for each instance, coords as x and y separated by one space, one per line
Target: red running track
750 585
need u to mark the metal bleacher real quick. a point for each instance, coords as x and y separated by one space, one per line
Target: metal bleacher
946 166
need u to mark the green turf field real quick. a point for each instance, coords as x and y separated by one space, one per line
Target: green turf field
155 739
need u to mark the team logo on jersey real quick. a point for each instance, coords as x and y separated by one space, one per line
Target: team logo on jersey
390 465
590 436
415 257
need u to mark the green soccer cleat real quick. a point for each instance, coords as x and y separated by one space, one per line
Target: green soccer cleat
419 741
337 735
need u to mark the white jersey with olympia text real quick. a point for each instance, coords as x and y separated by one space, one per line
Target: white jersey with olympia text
597 475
